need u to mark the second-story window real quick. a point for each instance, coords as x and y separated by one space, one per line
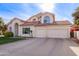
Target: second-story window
46 19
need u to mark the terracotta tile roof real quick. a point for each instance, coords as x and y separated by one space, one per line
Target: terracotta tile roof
30 23
37 23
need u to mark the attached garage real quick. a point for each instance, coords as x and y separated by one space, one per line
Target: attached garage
53 32
58 33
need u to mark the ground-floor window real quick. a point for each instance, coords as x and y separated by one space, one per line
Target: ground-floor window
26 31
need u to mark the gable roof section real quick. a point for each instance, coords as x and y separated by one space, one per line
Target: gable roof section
38 23
36 15
40 14
14 19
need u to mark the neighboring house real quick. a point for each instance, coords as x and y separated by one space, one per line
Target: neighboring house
41 25
74 29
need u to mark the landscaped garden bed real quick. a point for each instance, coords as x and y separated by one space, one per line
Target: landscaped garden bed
4 40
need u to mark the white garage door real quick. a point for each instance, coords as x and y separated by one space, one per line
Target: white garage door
55 33
58 33
41 33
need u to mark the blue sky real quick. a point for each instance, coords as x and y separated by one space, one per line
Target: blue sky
62 11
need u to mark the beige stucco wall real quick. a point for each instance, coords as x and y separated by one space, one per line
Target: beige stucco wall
27 35
32 19
13 24
48 31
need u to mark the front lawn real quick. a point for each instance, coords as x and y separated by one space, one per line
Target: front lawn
5 40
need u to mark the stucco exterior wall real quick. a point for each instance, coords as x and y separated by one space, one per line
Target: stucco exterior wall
27 35
32 19
12 25
47 31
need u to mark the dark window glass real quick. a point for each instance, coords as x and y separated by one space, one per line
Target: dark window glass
26 30
46 19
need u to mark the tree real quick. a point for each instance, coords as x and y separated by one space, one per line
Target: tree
76 13
76 22
3 27
76 16
77 9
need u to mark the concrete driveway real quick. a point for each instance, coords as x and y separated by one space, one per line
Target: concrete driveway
40 47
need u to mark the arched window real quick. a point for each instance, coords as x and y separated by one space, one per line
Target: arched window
46 19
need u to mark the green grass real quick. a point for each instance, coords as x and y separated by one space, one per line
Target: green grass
5 40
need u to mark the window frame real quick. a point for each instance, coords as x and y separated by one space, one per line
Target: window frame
46 21
26 30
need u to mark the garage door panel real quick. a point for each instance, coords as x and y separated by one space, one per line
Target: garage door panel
57 33
54 33
40 33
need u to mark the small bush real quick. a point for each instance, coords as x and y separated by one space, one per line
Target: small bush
8 34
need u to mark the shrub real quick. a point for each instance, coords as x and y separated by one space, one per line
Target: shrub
8 34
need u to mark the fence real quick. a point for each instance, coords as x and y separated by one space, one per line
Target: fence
76 34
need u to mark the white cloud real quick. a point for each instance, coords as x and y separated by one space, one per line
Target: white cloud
49 7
